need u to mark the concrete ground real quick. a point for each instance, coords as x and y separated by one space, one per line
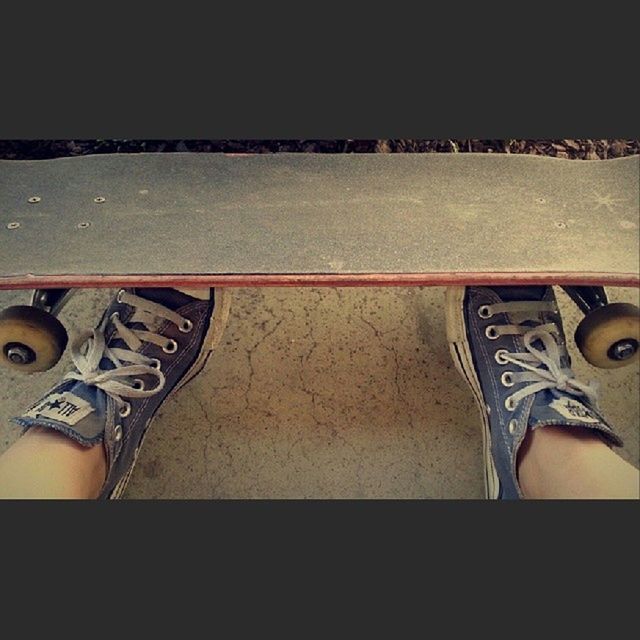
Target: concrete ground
321 393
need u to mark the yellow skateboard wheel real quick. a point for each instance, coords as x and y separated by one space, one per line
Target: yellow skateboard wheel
31 339
609 337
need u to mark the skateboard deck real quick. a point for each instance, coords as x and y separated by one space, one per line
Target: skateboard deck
187 219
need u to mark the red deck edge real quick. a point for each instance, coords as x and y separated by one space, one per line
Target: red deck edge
31 281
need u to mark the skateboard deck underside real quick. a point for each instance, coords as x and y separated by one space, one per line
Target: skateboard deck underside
184 219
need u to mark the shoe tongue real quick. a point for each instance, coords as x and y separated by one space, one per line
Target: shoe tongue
555 407
512 294
523 294
73 408
170 298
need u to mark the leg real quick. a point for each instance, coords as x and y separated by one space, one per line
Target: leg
570 462
46 464
543 433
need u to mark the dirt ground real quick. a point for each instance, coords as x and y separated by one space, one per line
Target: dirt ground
573 149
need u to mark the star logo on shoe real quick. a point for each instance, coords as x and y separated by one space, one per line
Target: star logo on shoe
573 410
54 404
62 407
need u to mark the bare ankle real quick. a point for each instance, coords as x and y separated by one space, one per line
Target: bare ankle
550 454
81 470
573 462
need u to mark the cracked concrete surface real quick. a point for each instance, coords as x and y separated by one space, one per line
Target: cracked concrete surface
321 393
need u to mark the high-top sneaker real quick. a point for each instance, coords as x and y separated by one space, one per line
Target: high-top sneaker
509 345
149 343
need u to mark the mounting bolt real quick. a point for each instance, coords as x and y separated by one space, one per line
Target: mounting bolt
624 349
20 354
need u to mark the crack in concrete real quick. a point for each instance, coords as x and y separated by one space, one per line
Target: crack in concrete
250 353
388 348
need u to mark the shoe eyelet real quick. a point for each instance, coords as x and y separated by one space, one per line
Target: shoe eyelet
119 296
114 315
125 410
499 356
138 384
491 332
509 404
170 347
117 433
484 311
512 426
156 364
186 326
507 379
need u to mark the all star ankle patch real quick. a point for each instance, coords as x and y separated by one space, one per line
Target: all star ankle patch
62 407
573 410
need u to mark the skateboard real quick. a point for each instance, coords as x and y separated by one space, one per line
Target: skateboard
194 220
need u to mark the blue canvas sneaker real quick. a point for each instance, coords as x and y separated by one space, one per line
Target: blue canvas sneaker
509 345
149 343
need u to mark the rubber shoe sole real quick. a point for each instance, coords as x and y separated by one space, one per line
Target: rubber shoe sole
463 360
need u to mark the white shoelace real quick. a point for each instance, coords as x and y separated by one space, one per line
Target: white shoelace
90 347
551 375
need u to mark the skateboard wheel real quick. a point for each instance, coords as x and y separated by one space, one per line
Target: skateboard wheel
31 339
609 336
